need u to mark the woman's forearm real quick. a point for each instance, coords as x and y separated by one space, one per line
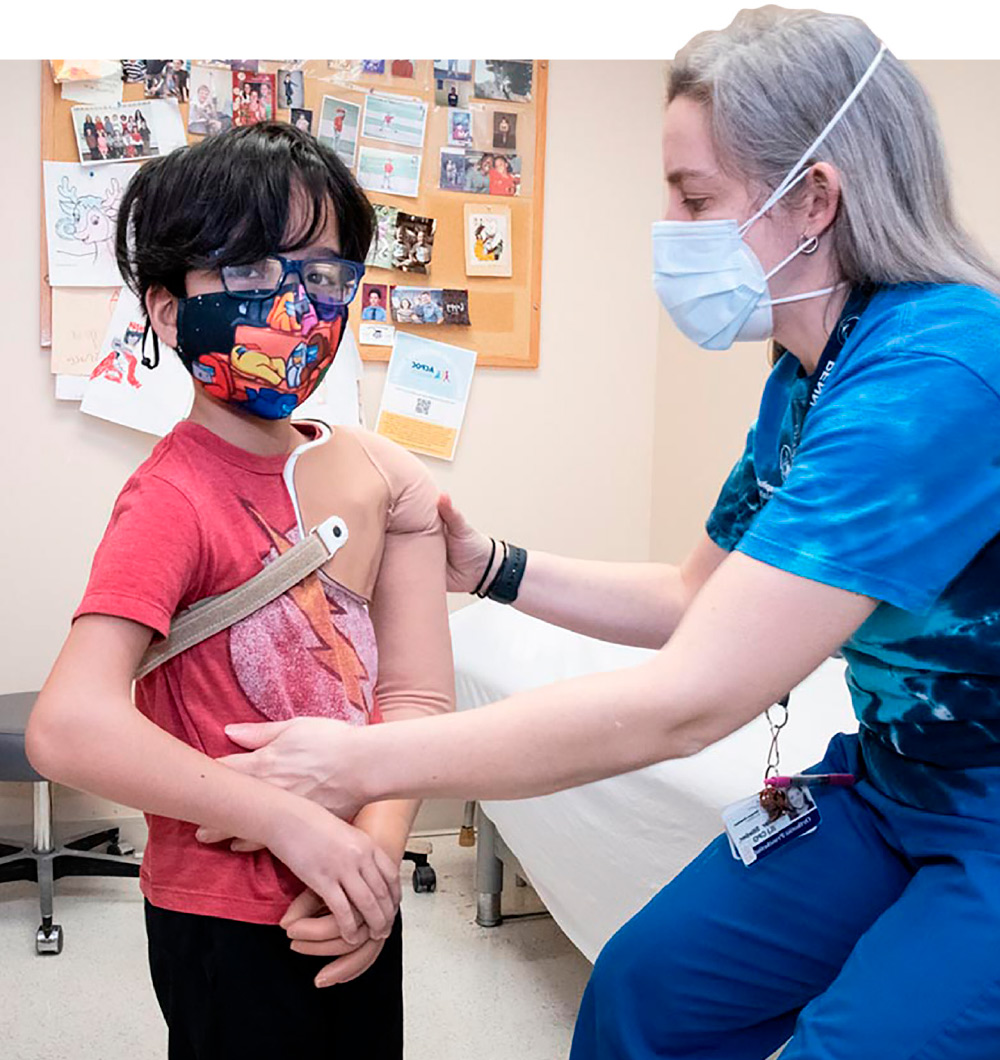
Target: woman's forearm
626 603
531 744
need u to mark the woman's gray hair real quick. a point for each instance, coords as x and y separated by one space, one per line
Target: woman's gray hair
773 79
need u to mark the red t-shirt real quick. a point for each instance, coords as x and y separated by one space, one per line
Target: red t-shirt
198 518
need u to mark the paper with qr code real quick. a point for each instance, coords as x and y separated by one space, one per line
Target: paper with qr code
426 394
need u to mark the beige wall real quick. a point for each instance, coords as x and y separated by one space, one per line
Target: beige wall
705 401
557 458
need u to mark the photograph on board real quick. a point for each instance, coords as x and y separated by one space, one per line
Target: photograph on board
167 79
453 170
393 172
492 173
488 249
302 119
339 121
459 127
123 132
417 305
374 299
397 119
211 109
414 243
448 93
253 97
291 89
507 79
384 240
504 130
453 69
456 307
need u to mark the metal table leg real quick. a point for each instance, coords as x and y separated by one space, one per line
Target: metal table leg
489 873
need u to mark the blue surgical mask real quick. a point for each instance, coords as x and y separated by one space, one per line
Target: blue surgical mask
711 282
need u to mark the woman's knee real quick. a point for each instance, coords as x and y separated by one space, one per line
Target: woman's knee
632 997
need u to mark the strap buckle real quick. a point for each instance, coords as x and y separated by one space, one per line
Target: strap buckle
332 533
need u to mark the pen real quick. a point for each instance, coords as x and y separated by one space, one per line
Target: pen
838 780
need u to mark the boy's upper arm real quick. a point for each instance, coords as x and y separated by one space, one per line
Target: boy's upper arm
100 656
409 604
148 563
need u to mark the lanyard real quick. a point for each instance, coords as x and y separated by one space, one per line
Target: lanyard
856 304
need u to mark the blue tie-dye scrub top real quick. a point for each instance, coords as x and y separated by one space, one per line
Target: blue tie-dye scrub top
890 487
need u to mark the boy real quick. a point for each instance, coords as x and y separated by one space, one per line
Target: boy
244 250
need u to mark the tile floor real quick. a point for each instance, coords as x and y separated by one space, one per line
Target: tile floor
492 994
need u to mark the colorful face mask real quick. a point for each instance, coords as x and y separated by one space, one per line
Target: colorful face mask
265 356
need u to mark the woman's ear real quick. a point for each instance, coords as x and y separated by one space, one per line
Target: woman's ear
161 306
822 188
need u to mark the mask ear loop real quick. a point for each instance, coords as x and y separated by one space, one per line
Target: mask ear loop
794 176
154 361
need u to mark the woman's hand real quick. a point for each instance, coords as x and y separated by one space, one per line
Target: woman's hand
468 549
315 932
307 756
350 873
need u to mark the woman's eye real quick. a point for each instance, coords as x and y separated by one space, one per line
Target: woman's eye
695 205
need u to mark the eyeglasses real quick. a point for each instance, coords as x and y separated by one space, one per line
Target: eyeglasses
328 281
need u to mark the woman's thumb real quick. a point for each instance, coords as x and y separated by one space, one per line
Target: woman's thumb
252 735
450 514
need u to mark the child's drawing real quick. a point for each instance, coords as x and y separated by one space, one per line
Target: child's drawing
81 212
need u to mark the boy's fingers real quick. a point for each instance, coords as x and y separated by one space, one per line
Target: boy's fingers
308 904
245 846
350 967
329 948
211 835
318 929
252 735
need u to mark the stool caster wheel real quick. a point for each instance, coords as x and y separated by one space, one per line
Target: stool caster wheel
50 941
424 879
121 850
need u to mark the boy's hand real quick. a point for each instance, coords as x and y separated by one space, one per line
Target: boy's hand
315 932
352 875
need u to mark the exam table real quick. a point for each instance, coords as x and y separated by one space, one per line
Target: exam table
597 853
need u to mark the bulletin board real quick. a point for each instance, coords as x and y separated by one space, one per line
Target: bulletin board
504 312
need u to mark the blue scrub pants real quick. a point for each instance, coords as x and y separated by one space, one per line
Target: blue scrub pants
875 938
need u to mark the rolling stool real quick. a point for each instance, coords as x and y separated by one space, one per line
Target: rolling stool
43 862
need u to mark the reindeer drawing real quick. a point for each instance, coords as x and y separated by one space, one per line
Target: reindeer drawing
88 221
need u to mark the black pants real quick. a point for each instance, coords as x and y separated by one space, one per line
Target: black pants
235 991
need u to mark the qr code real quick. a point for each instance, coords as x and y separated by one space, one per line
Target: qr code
423 406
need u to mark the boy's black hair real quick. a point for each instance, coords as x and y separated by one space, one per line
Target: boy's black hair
225 201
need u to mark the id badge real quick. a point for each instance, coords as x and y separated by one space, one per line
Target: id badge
752 835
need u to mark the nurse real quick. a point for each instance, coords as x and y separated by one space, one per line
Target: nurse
808 203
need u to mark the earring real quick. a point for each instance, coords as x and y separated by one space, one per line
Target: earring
808 244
